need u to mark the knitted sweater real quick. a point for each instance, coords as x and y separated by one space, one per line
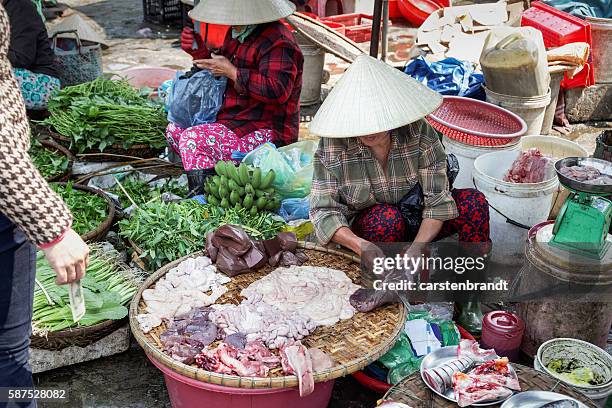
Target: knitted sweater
25 197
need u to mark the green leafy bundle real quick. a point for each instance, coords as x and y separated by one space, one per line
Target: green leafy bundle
107 287
88 209
103 112
50 163
169 231
142 192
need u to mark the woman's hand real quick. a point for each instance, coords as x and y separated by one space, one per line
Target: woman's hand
219 66
68 258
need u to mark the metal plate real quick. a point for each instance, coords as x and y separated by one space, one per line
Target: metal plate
443 356
535 399
603 166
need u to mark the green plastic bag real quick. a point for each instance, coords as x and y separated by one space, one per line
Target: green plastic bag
292 165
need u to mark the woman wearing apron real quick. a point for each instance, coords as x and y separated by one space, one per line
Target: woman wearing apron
31 215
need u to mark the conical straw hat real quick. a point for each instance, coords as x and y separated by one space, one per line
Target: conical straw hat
372 97
241 12
84 29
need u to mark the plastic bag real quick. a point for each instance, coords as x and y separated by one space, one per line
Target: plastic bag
195 98
295 208
448 77
292 165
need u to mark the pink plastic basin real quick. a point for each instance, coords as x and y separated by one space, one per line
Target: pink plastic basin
185 392
151 77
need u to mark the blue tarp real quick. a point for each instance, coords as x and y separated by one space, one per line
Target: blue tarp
448 77
583 8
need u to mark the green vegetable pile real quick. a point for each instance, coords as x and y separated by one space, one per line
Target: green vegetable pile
107 288
142 192
169 231
242 187
50 163
89 210
103 112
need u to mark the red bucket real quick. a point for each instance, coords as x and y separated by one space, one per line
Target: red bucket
503 331
186 392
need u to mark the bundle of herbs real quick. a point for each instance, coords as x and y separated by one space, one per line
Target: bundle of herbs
50 163
89 210
168 231
104 112
108 287
143 192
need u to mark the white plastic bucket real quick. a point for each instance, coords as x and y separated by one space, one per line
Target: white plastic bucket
531 109
466 155
314 63
523 203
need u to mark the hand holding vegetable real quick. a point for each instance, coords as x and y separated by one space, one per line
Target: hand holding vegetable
68 258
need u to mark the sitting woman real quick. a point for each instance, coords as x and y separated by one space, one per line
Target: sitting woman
375 147
30 54
263 63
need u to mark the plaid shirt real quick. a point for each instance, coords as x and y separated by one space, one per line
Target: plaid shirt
348 178
266 94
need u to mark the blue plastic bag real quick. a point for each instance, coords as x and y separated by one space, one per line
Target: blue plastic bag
196 99
295 208
448 77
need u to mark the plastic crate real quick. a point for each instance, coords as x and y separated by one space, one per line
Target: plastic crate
358 26
163 11
559 28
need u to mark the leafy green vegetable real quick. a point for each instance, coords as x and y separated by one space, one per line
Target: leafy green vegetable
104 112
107 288
89 210
142 192
169 231
50 163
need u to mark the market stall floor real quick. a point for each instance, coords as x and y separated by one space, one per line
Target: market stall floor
129 380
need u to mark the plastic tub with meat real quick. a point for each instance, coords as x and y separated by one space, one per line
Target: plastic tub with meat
514 207
186 392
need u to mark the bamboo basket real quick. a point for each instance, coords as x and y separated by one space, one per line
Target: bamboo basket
58 148
77 337
101 230
353 343
413 391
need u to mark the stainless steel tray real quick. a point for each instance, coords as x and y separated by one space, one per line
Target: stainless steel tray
535 399
442 356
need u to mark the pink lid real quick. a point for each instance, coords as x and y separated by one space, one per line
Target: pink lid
503 322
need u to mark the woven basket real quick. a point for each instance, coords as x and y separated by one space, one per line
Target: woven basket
352 343
58 148
413 391
112 153
101 230
78 337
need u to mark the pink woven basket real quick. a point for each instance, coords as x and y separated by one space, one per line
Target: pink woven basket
477 123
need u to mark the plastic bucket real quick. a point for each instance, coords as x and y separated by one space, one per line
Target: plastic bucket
503 331
466 154
598 394
151 77
314 62
511 204
185 392
531 109
601 30
549 115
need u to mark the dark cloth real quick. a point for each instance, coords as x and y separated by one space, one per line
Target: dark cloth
385 223
267 92
17 274
30 46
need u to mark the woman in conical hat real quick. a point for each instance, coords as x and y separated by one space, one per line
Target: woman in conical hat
376 152
263 64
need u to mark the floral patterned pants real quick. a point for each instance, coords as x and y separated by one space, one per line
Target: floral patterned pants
36 89
202 146
385 223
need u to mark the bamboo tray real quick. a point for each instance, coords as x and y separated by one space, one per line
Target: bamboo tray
353 343
413 391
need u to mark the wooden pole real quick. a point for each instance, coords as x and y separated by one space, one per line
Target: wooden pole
376 28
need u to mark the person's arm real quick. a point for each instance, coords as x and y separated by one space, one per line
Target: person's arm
26 25
348 239
272 82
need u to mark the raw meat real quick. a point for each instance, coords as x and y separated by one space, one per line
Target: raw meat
320 293
261 321
182 289
188 334
183 353
320 360
471 389
497 372
586 174
237 340
255 360
296 360
472 350
366 300
531 166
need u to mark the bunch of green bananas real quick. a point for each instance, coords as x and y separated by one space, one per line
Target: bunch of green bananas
241 187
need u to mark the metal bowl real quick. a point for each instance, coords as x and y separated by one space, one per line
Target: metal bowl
603 166
535 399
